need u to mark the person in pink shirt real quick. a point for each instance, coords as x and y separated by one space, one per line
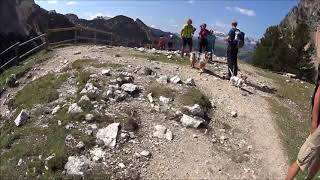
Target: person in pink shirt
203 35
162 42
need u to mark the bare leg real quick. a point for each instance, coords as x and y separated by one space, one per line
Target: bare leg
293 171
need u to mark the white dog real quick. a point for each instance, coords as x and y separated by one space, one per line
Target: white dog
238 81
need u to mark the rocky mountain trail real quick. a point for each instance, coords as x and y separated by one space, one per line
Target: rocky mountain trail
140 114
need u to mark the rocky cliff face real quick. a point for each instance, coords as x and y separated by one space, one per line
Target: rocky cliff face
13 18
23 19
14 15
289 46
307 11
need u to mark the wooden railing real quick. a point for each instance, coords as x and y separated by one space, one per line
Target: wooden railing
18 55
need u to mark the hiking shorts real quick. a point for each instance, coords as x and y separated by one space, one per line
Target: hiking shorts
186 41
309 154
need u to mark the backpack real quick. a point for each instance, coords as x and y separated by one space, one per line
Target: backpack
239 38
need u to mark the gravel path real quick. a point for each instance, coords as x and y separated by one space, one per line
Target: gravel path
245 147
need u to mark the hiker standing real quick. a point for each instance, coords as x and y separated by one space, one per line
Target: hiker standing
211 42
232 51
171 42
186 33
309 155
162 42
203 35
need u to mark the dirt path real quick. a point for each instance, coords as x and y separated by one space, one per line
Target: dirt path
246 147
199 158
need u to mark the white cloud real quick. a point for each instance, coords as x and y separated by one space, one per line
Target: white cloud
91 15
190 1
221 24
153 26
243 11
71 3
174 25
247 12
52 2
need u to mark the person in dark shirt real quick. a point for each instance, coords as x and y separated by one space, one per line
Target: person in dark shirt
232 51
171 42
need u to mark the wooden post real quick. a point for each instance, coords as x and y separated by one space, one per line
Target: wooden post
75 35
46 39
111 38
95 37
16 53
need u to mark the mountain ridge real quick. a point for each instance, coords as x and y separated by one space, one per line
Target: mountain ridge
30 20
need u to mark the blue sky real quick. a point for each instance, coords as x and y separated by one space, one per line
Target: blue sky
253 16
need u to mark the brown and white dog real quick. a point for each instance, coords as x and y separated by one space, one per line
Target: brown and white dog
193 59
201 61
204 59
238 81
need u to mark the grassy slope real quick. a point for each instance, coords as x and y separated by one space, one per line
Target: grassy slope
23 67
292 121
44 141
291 110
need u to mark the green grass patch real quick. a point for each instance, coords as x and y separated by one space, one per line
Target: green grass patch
162 58
23 67
293 121
80 64
294 90
195 96
40 91
158 90
30 141
30 144
82 79
293 132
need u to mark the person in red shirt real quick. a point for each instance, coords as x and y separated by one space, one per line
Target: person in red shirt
203 35
162 42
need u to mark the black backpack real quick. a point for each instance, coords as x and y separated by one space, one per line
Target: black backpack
239 38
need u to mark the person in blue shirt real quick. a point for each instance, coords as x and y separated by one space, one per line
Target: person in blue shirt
232 51
211 42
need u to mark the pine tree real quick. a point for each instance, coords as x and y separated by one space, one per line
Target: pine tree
283 49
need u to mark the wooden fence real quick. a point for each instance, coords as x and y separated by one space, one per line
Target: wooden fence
14 54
